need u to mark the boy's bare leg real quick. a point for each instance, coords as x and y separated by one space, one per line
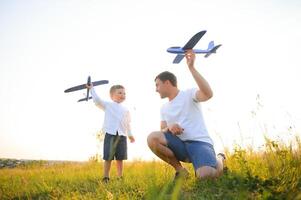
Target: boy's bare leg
106 168
158 144
119 165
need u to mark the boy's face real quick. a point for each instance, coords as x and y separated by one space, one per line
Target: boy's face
118 95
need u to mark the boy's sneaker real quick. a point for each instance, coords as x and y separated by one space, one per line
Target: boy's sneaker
105 179
183 173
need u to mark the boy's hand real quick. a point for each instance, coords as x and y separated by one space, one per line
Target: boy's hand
89 86
132 139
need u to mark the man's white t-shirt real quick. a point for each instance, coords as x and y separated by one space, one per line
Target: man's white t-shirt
117 117
186 111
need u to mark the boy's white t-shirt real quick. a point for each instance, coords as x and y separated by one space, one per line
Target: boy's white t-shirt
186 111
117 116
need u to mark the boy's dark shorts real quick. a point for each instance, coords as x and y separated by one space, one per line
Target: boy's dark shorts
115 147
196 152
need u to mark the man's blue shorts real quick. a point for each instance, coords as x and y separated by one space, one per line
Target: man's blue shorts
196 152
114 147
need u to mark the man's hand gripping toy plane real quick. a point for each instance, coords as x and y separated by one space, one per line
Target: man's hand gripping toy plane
180 51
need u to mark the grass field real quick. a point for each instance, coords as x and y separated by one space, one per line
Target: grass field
273 173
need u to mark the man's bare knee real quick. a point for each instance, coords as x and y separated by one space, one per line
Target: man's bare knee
156 139
206 172
204 176
152 139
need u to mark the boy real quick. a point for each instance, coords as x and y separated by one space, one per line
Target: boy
116 126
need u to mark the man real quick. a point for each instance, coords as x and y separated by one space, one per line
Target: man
183 136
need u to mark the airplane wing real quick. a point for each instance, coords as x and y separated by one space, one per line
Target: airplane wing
83 86
84 99
194 40
100 82
213 50
178 58
75 88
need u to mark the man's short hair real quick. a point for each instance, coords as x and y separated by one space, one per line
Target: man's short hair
167 76
115 87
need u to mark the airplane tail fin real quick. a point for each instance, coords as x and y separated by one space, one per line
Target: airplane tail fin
89 80
210 46
213 50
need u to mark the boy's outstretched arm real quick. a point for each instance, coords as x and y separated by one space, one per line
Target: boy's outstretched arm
204 93
98 101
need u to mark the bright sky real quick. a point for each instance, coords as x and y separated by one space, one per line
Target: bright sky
48 46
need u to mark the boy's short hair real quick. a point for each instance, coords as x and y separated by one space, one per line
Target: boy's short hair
164 76
115 87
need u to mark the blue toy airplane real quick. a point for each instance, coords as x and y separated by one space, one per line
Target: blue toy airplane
83 86
180 51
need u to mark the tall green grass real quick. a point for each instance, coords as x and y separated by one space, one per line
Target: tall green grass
272 173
